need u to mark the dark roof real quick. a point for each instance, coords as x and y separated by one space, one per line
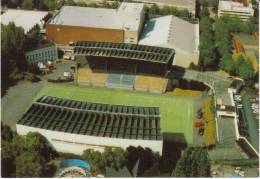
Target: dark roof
94 119
124 50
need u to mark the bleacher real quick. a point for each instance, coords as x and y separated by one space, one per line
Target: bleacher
118 80
88 77
152 84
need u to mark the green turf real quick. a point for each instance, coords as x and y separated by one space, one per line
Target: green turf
176 112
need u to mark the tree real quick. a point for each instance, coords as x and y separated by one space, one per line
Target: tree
29 164
12 42
6 132
203 3
32 38
35 142
154 9
194 162
70 3
119 158
227 63
213 3
27 4
204 12
246 70
182 168
94 158
203 163
7 159
49 5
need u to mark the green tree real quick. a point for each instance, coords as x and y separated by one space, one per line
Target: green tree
29 164
203 3
194 162
213 3
246 70
204 12
27 4
94 158
6 132
12 54
154 9
183 165
70 3
35 142
7 159
205 24
203 163
49 5
227 63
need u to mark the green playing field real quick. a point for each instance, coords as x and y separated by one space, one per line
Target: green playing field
176 111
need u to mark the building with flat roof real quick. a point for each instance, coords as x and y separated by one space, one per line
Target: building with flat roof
176 33
190 5
24 18
72 24
236 9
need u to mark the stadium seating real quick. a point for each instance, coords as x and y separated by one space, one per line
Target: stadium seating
86 76
152 84
120 80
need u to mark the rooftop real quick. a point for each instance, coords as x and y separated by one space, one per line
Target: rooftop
235 7
23 18
99 17
94 119
124 50
172 32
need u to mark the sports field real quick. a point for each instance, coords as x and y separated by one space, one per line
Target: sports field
176 112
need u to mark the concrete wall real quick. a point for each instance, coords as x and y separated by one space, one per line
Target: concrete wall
63 34
76 143
184 59
131 37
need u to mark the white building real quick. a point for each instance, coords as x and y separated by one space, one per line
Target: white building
24 18
235 9
173 32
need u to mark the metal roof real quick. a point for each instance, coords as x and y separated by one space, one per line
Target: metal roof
124 50
101 17
103 120
172 32
23 18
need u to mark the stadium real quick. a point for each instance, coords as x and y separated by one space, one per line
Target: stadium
105 108
122 65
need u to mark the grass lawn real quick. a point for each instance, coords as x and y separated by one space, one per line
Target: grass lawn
176 111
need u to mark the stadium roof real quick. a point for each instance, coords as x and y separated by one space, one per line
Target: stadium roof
23 18
124 50
100 17
172 32
94 119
